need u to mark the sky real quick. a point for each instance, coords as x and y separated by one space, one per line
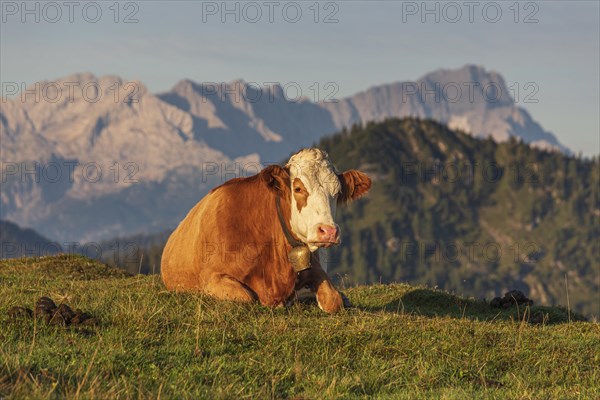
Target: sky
548 51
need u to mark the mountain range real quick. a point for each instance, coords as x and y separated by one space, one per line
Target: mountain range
109 158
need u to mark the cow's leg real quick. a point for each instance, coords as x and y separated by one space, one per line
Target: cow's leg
226 287
328 298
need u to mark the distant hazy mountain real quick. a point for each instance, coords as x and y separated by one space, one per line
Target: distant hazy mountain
238 119
156 176
142 164
18 242
470 99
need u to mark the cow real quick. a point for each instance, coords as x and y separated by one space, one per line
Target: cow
255 239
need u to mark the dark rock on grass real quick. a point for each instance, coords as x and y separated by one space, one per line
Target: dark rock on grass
513 297
496 302
44 306
15 313
56 319
538 318
63 315
82 318
90 322
518 297
66 312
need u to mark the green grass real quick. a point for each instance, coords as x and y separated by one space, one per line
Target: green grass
397 341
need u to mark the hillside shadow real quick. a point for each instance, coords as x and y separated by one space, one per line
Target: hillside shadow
436 303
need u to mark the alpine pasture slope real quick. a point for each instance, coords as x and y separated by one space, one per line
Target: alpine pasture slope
397 341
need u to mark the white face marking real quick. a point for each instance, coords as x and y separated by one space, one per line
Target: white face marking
321 185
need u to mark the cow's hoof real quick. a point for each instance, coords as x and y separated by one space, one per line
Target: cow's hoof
331 303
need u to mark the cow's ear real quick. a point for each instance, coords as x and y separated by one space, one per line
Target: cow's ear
354 185
276 178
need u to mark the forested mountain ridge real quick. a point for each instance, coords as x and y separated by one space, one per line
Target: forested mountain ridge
469 215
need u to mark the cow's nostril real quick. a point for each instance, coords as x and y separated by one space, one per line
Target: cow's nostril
328 233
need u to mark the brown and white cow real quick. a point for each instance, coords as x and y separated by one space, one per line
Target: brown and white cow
232 245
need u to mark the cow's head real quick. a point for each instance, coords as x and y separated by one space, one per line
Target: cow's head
315 188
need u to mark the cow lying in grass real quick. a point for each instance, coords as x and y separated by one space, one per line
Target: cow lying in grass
256 238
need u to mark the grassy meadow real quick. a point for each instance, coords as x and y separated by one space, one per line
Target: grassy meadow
397 341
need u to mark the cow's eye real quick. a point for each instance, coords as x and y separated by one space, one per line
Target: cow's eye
297 189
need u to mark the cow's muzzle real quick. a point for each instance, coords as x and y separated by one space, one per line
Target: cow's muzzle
327 235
